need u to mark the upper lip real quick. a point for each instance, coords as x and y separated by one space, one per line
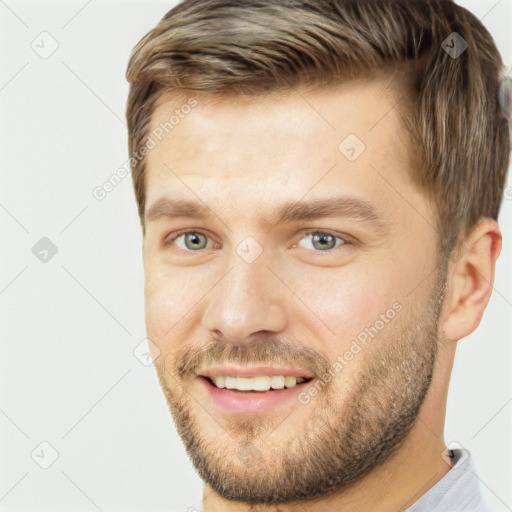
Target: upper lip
254 371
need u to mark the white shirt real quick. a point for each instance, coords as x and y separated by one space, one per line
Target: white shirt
458 491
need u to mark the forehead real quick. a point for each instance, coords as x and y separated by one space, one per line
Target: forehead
237 151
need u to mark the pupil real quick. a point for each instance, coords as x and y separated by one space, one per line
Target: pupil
194 238
322 238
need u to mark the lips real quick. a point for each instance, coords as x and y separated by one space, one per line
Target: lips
255 371
255 378
253 389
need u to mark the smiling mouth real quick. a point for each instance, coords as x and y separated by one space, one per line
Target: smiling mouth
259 384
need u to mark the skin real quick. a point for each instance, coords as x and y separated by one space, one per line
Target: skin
242 157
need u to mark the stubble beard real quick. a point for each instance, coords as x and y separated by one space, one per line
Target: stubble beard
349 430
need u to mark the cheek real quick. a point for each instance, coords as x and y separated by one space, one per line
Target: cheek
355 307
343 302
169 297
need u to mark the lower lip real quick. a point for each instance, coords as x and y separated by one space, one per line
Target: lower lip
251 402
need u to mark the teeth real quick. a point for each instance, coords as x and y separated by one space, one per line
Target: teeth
277 382
220 382
290 382
262 383
230 382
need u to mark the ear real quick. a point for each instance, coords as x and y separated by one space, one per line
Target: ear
471 279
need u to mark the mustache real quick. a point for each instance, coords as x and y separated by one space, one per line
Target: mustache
269 351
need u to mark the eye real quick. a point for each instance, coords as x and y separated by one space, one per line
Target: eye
323 241
195 241
192 241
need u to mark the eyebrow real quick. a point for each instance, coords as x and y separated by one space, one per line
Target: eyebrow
290 211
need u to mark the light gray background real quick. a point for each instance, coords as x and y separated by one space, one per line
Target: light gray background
69 326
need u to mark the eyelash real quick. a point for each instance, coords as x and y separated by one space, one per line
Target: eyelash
346 240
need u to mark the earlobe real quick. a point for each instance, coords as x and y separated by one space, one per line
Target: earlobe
471 280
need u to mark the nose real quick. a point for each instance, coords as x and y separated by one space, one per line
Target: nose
248 300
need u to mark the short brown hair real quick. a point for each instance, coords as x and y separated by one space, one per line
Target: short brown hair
461 141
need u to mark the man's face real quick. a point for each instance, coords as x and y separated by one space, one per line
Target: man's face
348 300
